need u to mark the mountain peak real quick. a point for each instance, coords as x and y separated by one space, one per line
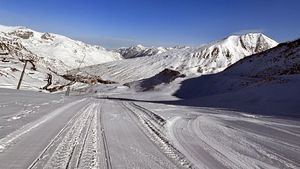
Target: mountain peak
140 51
140 46
63 53
250 42
249 36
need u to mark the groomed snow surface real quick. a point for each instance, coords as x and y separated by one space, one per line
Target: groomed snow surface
96 131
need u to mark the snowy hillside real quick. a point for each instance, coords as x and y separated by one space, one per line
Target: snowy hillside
51 55
141 51
12 59
267 83
62 52
210 58
265 67
282 60
150 84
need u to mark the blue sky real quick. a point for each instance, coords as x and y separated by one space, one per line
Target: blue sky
115 23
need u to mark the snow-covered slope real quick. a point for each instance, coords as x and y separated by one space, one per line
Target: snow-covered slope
62 52
55 54
210 58
270 66
141 51
153 83
51 55
265 83
282 60
12 58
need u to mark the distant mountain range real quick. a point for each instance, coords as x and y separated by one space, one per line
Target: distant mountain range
141 51
207 59
57 61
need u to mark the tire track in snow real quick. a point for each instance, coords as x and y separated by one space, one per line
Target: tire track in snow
77 151
84 144
104 141
77 145
89 157
61 132
151 125
63 153
208 140
203 156
6 141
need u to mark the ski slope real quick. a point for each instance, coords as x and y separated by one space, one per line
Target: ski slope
95 132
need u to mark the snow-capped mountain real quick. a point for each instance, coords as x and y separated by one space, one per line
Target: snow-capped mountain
54 55
217 56
12 59
210 58
62 52
141 51
50 56
280 61
264 83
276 65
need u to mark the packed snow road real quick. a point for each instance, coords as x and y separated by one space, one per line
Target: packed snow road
236 142
214 138
51 131
81 133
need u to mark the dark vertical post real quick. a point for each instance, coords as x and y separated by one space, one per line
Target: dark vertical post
67 91
22 74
